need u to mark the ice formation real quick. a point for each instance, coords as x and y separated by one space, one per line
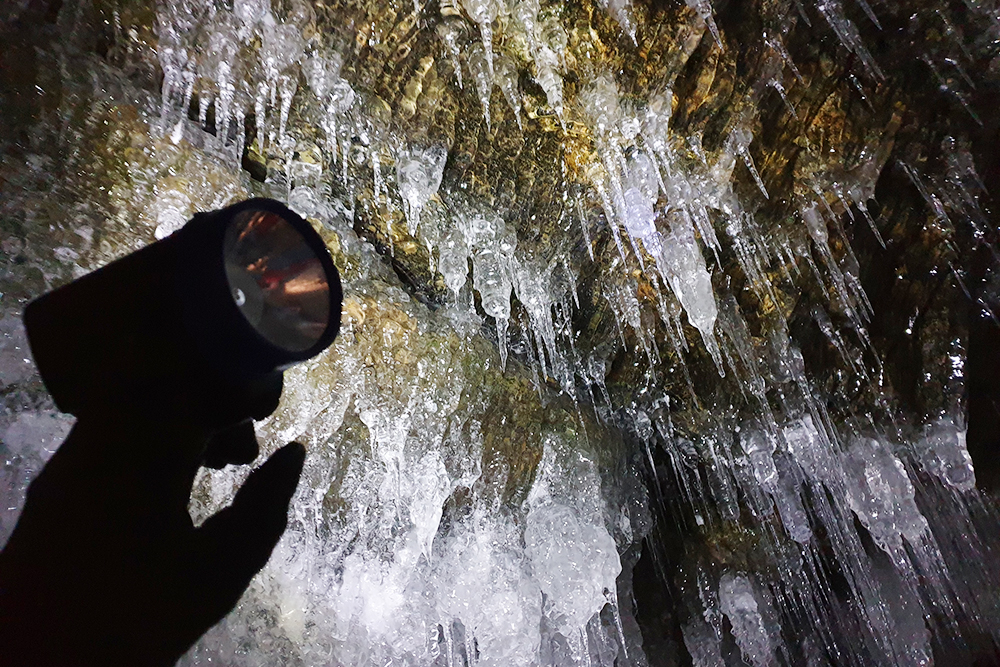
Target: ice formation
640 328
418 177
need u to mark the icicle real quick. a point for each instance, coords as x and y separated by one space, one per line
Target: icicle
621 11
505 76
738 601
748 161
260 106
449 643
552 35
817 230
418 176
613 597
526 14
453 33
482 75
483 12
287 86
586 230
204 101
345 149
470 648
548 78
871 14
779 46
780 88
453 261
502 341
692 285
572 283
609 214
241 135
379 182
847 32
224 107
704 9
739 142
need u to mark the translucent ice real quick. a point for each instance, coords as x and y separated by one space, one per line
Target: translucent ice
418 176
505 76
738 602
481 69
576 564
483 12
881 494
943 453
685 270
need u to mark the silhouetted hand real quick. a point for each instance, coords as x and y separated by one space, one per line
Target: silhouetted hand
105 566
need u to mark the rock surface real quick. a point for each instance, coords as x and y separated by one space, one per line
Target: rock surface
731 261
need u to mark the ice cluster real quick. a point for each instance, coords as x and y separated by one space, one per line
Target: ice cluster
469 496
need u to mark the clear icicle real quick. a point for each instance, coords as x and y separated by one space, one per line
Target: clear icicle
688 276
704 9
505 76
502 341
483 12
453 34
481 70
418 176
847 32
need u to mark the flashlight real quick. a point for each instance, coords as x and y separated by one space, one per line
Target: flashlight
225 303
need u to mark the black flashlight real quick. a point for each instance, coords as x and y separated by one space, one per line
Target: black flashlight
216 309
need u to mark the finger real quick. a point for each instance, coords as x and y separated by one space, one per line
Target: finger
235 445
236 543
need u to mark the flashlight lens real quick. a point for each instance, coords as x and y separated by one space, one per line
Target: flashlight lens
276 280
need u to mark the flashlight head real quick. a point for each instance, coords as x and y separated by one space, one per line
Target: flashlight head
277 280
226 302
281 279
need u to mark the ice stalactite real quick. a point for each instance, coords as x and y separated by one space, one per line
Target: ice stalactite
545 61
281 49
483 13
882 496
336 96
572 556
621 11
738 602
418 177
491 276
481 70
704 9
843 286
505 76
218 66
685 270
453 33
943 453
454 262
739 143
847 32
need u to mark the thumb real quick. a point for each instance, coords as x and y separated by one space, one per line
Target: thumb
237 542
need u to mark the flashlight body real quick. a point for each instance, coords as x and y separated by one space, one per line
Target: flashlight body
115 335
159 328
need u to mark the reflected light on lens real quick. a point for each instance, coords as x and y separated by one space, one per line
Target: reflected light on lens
276 279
